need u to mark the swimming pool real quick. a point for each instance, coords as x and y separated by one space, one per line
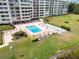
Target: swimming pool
33 28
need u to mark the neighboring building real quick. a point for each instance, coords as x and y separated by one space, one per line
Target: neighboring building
58 7
65 7
23 10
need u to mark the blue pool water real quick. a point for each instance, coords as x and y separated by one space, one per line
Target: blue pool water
33 28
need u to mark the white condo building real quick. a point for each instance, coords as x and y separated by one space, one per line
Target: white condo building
5 15
65 7
40 8
23 10
58 7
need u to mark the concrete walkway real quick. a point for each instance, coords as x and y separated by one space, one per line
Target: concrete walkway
7 37
1 46
55 29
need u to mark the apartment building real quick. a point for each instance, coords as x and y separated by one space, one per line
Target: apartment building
40 8
44 8
35 9
15 10
58 7
23 10
65 7
4 11
55 7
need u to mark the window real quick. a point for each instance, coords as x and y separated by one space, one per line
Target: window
5 7
1 12
11 7
0 3
7 15
2 15
5 19
10 0
6 11
24 0
3 0
4 4
13 15
16 0
18 15
11 4
16 7
17 11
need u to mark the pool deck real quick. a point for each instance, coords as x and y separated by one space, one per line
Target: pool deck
38 24
7 37
47 29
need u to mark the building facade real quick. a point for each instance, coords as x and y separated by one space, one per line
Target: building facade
23 10
5 16
15 10
40 8
58 7
65 7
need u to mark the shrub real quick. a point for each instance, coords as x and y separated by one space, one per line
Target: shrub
1 41
20 33
66 22
78 20
35 40
46 20
21 55
65 27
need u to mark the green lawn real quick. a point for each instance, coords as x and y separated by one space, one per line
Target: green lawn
6 27
4 53
41 50
60 20
3 28
26 49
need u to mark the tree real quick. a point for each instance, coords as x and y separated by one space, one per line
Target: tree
76 9
71 7
1 33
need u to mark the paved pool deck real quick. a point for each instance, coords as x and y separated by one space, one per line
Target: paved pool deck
7 37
